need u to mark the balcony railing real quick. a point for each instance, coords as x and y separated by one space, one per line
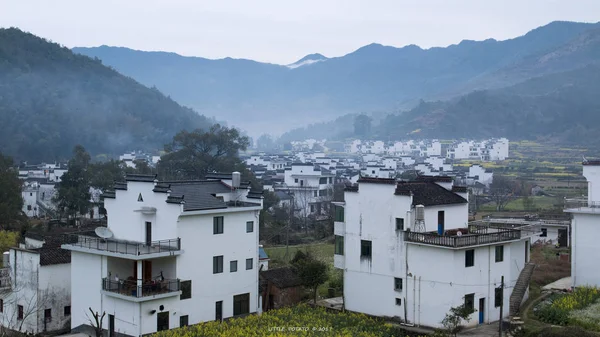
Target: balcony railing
465 240
148 288
593 206
123 246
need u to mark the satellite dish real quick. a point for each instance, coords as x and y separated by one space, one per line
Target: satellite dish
103 232
459 233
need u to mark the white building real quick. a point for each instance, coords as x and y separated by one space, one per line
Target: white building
310 185
174 253
585 230
35 288
402 254
478 174
30 197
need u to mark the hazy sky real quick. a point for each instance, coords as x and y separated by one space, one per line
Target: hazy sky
282 31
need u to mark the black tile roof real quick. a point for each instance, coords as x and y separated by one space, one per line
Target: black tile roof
591 162
282 277
162 188
120 186
428 193
459 189
148 178
433 179
369 180
199 195
108 194
54 255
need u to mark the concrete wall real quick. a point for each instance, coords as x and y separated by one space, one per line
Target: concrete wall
584 251
86 280
55 294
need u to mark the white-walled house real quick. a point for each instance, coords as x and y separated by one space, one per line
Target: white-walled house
174 253
585 230
310 185
407 252
30 197
35 288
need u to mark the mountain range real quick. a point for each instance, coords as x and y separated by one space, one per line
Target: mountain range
52 99
270 98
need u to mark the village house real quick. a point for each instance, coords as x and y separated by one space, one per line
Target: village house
311 187
389 234
584 230
172 254
281 287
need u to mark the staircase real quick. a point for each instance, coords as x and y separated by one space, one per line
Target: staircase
516 297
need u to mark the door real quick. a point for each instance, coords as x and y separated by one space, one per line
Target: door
562 237
162 321
441 222
219 311
481 310
111 325
148 233
147 270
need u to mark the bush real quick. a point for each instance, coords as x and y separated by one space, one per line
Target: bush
558 309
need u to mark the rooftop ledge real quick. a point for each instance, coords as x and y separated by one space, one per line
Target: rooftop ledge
122 248
475 235
581 206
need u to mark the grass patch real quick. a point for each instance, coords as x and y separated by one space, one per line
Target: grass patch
549 267
321 251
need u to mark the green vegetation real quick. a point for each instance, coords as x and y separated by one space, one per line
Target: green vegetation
312 272
575 308
53 99
286 322
11 202
321 251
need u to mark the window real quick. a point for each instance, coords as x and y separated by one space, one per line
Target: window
186 290
497 297
29 207
322 181
47 315
339 213
1 305
544 233
217 264
469 258
331 180
365 249
67 310
249 264
499 253
19 312
339 245
470 301
218 225
219 311
312 208
399 224
183 320
241 304
296 180
31 194
397 283
233 266
249 226
398 301
315 193
301 182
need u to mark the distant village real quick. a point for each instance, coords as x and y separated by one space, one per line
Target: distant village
157 255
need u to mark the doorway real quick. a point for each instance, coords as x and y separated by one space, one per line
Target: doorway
441 222
219 311
162 321
481 310
562 237
148 233
111 325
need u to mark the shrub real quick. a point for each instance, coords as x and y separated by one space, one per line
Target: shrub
558 309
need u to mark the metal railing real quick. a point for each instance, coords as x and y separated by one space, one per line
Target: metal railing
465 240
148 288
580 203
123 246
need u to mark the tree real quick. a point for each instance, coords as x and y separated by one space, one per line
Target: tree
362 125
265 143
73 190
8 239
191 155
454 318
311 271
11 201
104 174
97 322
501 191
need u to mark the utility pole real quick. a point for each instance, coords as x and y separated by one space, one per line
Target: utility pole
501 304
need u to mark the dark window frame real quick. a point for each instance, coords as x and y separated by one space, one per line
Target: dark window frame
399 224
323 181
184 320
233 263
218 264
470 301
186 289
249 226
67 310
249 264
544 233
218 226
398 301
497 297
339 245
398 283
366 249
48 315
499 253
469 258
241 304
19 312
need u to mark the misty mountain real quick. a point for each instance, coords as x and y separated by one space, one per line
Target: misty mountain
557 107
264 97
307 60
52 99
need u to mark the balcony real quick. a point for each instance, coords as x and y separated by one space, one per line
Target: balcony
581 205
475 236
122 248
149 290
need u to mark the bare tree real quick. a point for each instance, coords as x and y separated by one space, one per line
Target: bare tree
97 321
501 191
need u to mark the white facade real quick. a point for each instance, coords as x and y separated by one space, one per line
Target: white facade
310 185
433 278
585 231
30 197
173 279
37 298
478 174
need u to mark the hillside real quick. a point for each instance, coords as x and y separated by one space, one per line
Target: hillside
558 107
52 99
374 78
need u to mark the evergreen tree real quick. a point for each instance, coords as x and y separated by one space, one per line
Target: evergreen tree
11 201
73 191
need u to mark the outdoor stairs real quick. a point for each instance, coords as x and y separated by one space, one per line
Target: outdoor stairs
516 297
